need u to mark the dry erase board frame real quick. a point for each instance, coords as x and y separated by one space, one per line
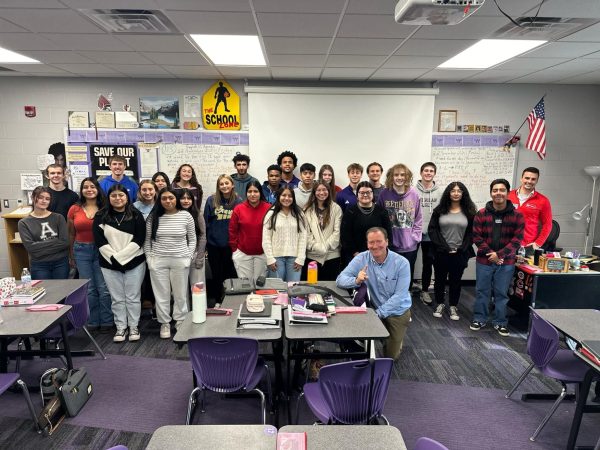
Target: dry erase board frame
475 160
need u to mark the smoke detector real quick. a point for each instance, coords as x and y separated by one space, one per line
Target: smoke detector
435 12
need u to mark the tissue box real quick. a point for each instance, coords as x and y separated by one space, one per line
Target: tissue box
7 287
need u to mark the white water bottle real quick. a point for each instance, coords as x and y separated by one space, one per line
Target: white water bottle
26 278
199 303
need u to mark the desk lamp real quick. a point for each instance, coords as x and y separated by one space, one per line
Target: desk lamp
594 172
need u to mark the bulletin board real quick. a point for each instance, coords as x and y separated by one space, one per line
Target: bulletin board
475 160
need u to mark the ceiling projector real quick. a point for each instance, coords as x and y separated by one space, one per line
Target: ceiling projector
435 12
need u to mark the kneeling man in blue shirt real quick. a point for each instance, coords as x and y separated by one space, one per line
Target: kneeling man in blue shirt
387 275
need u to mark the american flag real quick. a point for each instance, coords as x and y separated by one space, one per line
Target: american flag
537 130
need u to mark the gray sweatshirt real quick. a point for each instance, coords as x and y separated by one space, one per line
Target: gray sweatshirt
430 198
45 239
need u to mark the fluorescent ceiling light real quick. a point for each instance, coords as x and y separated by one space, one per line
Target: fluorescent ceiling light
6 56
489 52
229 50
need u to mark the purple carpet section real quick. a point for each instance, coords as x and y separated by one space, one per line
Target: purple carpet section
141 394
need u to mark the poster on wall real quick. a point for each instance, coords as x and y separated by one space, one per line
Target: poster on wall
101 153
221 107
159 112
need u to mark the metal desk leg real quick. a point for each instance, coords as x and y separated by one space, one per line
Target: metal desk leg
584 391
3 355
67 346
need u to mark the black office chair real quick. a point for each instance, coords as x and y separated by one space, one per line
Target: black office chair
550 244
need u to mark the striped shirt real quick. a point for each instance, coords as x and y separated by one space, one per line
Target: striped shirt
175 235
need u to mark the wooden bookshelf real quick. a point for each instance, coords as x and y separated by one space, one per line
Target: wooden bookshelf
17 254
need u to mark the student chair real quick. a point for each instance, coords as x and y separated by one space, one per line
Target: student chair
77 318
550 244
426 443
560 364
9 379
227 365
352 392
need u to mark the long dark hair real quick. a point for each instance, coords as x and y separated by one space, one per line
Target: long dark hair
165 177
193 181
107 213
255 183
313 202
466 204
193 209
294 209
100 198
159 210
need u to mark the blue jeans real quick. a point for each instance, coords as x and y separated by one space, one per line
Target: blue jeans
285 269
50 270
488 278
88 264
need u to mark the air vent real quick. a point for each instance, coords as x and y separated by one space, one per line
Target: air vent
131 21
546 28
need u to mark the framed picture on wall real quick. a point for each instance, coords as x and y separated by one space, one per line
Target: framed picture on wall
447 120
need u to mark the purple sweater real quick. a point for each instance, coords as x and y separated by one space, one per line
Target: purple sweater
406 217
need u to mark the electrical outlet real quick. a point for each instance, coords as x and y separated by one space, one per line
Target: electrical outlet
6 204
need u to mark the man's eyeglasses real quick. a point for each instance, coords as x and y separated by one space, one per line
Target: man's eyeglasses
365 193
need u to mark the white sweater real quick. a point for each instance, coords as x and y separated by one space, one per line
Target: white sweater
323 244
284 240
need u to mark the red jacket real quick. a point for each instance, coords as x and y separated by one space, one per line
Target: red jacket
246 227
537 213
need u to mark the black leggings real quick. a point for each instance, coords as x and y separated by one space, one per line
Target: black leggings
221 267
448 266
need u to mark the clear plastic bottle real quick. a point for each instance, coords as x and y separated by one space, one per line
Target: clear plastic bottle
26 278
199 303
521 254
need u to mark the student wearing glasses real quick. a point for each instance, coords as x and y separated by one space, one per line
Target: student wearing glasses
357 219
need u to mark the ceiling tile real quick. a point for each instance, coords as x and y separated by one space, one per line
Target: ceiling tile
372 7
141 70
354 61
197 22
579 65
565 50
413 62
204 5
297 60
398 74
157 43
31 4
434 47
346 73
447 75
586 78
50 21
496 76
176 59
53 56
589 34
572 8
87 68
474 27
289 45
98 42
543 76
111 4
245 72
26 41
362 46
291 73
8 27
193 71
301 25
530 63
373 26
33 68
512 8
314 6
118 58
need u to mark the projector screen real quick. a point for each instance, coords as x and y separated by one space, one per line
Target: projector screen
340 126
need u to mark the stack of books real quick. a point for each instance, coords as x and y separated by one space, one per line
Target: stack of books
306 317
270 317
25 296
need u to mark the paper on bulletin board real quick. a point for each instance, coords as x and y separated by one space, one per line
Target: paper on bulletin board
148 159
78 173
44 161
76 153
29 181
191 106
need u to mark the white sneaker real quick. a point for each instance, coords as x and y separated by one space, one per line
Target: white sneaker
134 334
426 298
454 313
165 331
120 335
439 310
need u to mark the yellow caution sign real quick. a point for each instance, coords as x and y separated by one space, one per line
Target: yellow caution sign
221 107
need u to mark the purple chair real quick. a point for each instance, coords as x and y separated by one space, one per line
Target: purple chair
9 379
77 318
118 447
227 365
342 395
425 443
560 364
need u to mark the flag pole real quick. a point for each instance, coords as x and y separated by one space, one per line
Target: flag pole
508 143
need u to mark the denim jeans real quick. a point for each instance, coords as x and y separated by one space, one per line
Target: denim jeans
488 278
125 290
285 269
88 264
50 270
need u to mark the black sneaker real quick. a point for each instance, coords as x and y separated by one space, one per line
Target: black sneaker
502 330
476 326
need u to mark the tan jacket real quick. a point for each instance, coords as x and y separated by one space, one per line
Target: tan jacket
323 245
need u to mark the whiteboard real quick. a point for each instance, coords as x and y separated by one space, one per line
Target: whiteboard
475 160
208 160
